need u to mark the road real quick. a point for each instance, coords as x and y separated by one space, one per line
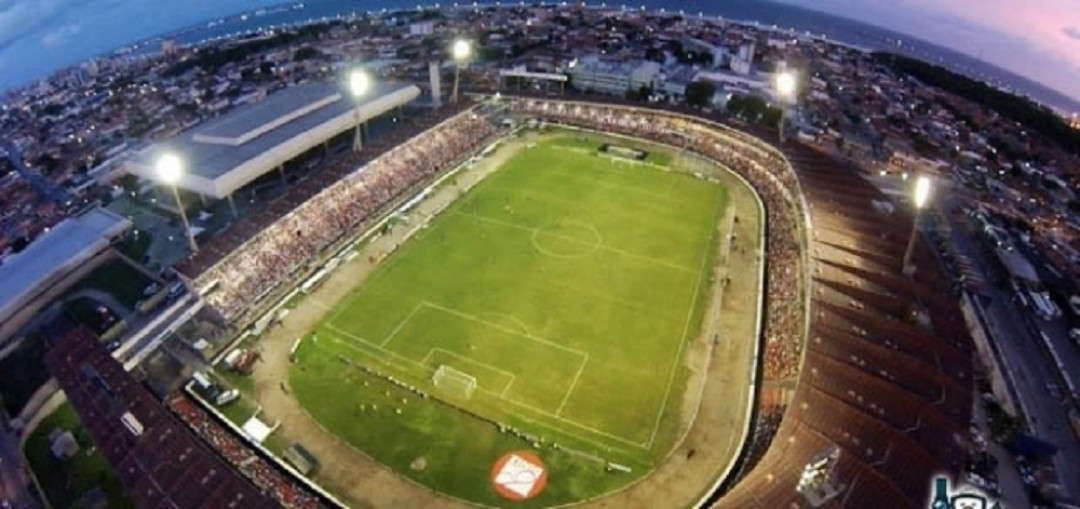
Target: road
1015 331
36 180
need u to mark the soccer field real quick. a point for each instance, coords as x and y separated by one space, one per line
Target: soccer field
567 285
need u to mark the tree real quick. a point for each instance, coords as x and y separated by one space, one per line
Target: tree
306 53
1019 109
1074 206
700 93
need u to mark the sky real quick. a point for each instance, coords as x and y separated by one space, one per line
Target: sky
1039 39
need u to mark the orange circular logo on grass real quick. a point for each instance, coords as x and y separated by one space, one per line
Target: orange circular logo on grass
519 475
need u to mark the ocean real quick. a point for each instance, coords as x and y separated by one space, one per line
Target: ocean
765 13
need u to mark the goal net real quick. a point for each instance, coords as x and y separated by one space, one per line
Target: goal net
454 382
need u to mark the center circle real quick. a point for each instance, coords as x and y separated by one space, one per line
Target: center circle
567 239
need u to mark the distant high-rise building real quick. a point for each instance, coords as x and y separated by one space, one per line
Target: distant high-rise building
168 47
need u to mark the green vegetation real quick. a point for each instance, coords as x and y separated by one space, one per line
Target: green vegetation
754 110
115 277
23 373
567 284
1032 115
66 482
700 93
136 245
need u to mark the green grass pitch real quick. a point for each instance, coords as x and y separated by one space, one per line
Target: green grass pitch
567 283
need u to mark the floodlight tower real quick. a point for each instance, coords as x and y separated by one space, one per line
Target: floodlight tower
786 84
359 84
922 194
461 52
170 170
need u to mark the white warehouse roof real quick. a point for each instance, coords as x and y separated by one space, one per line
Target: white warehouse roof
231 151
48 258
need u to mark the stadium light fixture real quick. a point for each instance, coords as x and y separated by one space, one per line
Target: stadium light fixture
785 85
359 85
921 196
922 191
170 169
461 50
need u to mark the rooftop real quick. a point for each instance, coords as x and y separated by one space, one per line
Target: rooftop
68 244
224 154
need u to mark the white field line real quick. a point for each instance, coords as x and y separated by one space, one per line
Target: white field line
358 339
399 326
506 389
388 361
581 368
507 330
578 425
600 246
682 340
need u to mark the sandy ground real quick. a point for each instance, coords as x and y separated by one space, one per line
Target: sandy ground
711 431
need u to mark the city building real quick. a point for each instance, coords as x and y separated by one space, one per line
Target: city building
52 263
595 74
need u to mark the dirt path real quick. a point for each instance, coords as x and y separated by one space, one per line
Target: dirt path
710 440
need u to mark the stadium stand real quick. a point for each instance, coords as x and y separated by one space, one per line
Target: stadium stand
344 198
857 357
277 485
159 460
881 369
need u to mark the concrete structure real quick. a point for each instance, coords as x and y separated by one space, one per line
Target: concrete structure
229 152
743 62
718 52
674 80
43 268
595 74
435 80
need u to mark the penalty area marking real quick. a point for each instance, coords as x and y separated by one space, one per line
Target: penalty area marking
581 368
354 341
400 324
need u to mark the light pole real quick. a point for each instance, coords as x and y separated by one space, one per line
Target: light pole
922 194
461 51
785 84
359 83
170 170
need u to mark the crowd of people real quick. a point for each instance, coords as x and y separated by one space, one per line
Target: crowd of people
270 480
274 255
764 168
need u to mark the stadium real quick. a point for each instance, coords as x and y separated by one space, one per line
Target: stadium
537 301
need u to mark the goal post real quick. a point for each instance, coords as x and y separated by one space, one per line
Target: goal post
454 382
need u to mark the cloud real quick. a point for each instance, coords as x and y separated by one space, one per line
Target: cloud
60 36
1071 32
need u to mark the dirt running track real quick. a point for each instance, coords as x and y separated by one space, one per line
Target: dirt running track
712 435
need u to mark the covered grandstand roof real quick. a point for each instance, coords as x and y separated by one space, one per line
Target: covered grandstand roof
227 153
48 258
